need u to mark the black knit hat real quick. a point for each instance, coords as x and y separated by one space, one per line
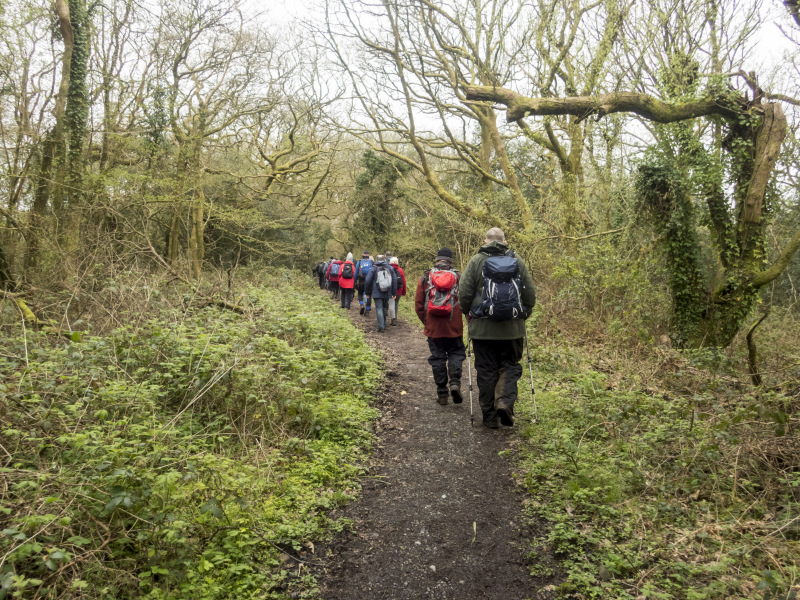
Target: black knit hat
444 254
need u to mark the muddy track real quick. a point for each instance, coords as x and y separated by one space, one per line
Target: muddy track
439 516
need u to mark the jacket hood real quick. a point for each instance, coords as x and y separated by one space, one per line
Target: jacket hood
494 248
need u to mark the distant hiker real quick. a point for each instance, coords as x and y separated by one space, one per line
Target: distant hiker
437 306
332 276
497 290
401 288
347 280
363 268
327 266
319 273
381 286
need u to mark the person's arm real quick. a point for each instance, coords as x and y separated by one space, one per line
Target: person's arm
368 283
467 285
528 291
419 300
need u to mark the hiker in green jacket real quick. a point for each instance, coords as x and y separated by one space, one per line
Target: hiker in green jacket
498 344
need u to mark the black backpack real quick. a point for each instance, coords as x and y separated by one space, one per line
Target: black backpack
501 299
347 271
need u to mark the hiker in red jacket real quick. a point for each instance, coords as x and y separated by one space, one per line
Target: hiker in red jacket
347 280
436 304
332 275
401 288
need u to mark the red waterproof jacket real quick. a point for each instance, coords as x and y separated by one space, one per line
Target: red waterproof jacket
347 284
328 275
401 280
435 326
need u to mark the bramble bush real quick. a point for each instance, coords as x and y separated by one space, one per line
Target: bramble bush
196 453
660 493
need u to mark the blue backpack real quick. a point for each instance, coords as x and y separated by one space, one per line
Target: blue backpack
501 299
364 266
335 270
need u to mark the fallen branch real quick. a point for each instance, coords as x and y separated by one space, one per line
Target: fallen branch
206 300
28 316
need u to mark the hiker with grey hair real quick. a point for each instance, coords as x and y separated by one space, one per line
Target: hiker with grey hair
497 292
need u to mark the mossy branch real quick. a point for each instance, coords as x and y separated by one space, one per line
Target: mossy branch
779 265
644 105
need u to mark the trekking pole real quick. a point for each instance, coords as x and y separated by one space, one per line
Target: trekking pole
469 372
530 372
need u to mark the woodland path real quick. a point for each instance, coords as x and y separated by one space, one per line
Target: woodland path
431 477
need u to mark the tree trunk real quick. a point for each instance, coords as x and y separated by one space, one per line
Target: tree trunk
77 109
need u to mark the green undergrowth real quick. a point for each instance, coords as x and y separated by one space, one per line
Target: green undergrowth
659 495
195 456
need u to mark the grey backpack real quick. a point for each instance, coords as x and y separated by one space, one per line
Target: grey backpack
384 279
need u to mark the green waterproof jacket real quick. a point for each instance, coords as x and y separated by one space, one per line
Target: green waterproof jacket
471 288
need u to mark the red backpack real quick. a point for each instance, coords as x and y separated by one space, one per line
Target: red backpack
442 290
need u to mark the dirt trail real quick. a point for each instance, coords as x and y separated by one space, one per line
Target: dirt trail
439 516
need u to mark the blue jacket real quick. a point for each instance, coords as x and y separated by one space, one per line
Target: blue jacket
371 288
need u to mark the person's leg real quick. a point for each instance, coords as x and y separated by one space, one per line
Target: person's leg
360 292
486 369
456 354
392 310
505 392
438 362
349 297
380 307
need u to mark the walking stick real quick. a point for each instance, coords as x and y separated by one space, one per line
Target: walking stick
469 372
530 372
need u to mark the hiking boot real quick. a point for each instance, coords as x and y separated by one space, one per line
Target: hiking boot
361 311
394 321
493 424
442 396
506 415
455 392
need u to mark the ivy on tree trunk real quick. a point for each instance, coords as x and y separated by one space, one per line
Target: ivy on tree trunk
709 306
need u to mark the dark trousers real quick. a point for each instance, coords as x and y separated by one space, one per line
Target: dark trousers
446 357
360 290
498 370
322 282
347 297
334 287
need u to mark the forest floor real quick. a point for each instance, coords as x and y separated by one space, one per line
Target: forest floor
440 516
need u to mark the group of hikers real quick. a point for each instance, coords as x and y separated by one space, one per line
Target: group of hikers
496 294
380 279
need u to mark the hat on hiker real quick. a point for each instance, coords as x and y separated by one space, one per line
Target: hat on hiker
349 256
365 254
393 261
444 254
